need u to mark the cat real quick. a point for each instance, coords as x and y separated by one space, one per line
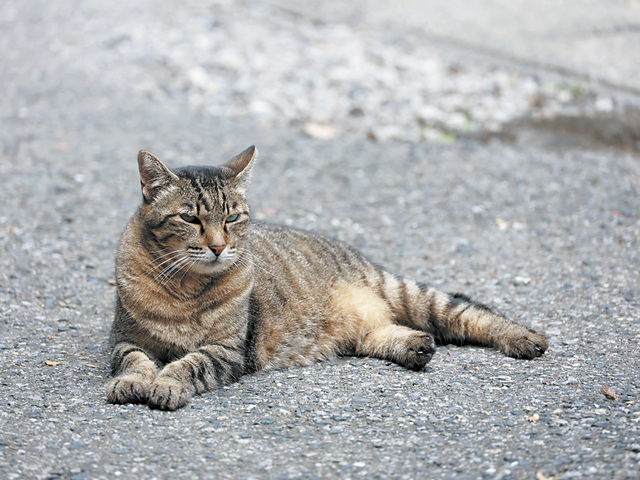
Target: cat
204 296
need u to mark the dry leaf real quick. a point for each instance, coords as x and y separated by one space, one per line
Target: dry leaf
53 364
92 366
609 394
534 418
111 281
542 476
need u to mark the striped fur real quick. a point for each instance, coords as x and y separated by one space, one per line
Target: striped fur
204 297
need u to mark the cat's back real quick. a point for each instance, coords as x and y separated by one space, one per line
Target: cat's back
292 255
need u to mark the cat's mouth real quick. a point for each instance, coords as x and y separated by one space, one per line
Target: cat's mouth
207 262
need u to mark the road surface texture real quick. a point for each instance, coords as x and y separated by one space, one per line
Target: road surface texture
357 141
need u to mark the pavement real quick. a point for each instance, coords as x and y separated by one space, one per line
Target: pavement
588 39
547 232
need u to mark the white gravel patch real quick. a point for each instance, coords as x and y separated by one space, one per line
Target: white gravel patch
248 60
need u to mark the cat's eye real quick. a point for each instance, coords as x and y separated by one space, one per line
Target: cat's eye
188 218
232 218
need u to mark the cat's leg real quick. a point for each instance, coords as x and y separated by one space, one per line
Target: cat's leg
363 323
455 318
405 346
209 367
133 372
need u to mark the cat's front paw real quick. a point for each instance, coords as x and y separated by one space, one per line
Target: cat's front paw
168 394
528 345
128 389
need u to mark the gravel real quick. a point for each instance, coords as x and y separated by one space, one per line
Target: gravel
548 237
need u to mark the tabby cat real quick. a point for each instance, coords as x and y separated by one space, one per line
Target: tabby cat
204 297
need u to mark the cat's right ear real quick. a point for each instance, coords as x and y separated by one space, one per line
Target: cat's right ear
154 175
239 167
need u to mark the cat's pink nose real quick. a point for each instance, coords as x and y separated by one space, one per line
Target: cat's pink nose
217 249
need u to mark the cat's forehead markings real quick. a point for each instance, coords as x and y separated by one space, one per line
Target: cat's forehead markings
223 199
203 198
211 190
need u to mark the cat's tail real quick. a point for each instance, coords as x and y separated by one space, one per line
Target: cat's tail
455 318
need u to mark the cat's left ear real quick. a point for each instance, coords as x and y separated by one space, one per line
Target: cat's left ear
239 167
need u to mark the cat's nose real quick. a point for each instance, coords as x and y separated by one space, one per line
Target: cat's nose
217 249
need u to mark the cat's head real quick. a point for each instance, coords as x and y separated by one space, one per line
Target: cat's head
194 219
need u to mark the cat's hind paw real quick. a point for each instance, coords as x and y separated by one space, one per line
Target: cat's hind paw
420 350
128 389
529 345
168 394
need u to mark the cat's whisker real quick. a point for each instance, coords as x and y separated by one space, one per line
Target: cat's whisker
247 258
254 260
194 261
248 262
186 266
168 272
158 251
162 278
257 260
179 266
160 274
152 261
168 253
179 250
165 281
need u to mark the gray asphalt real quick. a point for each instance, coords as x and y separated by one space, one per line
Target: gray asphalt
548 237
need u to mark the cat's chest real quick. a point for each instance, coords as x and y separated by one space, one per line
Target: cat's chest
183 327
